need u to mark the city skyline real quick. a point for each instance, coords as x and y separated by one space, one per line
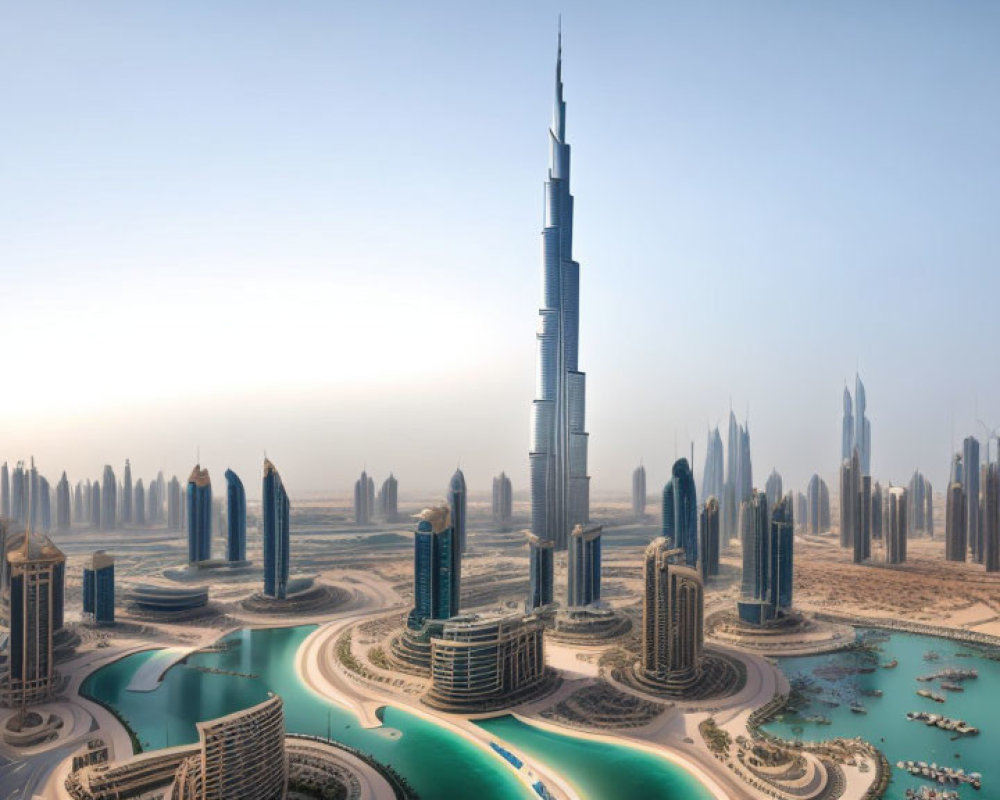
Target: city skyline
121 265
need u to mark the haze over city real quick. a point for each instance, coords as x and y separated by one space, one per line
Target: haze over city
314 230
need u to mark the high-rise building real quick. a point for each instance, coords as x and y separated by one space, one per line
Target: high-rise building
708 534
801 511
862 550
139 506
79 514
584 566
862 429
99 588
673 610
773 488
847 428
850 488
364 505
713 481
18 494
895 543
782 555
35 573
818 503
276 512
877 505
560 486
680 511
44 505
236 518
109 500
62 504
32 502
161 497
955 533
929 508
95 504
991 518
174 515
970 462
541 566
240 755
437 568
755 604
457 500
388 500
639 492
503 499
199 516
4 492
127 494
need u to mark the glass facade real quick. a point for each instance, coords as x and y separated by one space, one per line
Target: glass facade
277 535
680 511
199 515
437 568
236 518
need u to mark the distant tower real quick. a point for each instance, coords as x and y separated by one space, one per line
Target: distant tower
127 494
782 558
970 462
62 504
199 515
862 430
877 505
850 489
18 494
895 545
503 499
174 515
814 506
847 428
79 515
863 522
929 509
139 507
95 504
801 511
109 500
673 612
99 588
540 561
680 511
362 506
773 488
756 605
713 481
275 510
161 496
560 486
388 504
236 518
584 566
4 492
639 492
955 532
44 505
708 533
457 499
991 518
437 568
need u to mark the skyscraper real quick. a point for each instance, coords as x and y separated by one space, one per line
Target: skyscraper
781 555
970 462
847 428
160 498
199 515
862 430
584 566
388 501
895 544
437 567
18 494
955 532
236 518
363 501
680 511
174 515
863 522
877 505
139 506
818 505
850 489
95 504
560 487
708 534
503 499
713 480
540 565
673 611
109 500
44 505
991 518
127 494
99 588
801 511
457 499
773 488
639 492
276 511
4 492
755 605
929 508
62 503
79 513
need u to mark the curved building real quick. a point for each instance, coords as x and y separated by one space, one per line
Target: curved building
199 515
457 499
159 599
236 518
583 567
680 511
673 610
275 510
503 499
437 568
708 539
639 492
560 487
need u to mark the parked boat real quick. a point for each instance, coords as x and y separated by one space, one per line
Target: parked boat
891 664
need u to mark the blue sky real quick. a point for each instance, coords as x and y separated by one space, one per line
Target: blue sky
312 228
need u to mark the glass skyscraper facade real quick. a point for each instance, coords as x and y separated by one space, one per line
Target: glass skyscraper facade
236 518
680 511
199 515
584 567
560 487
437 568
457 497
99 588
766 586
277 534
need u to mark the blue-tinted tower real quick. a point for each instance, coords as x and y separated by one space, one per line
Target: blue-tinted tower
457 496
277 535
199 515
437 562
782 536
680 511
584 566
99 588
236 518
541 564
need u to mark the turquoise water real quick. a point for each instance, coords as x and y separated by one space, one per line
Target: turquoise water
885 725
438 764
600 771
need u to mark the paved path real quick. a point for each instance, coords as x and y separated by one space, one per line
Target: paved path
147 678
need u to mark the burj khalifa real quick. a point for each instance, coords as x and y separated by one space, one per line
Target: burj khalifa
560 486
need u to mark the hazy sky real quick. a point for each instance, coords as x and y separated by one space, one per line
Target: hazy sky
313 228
